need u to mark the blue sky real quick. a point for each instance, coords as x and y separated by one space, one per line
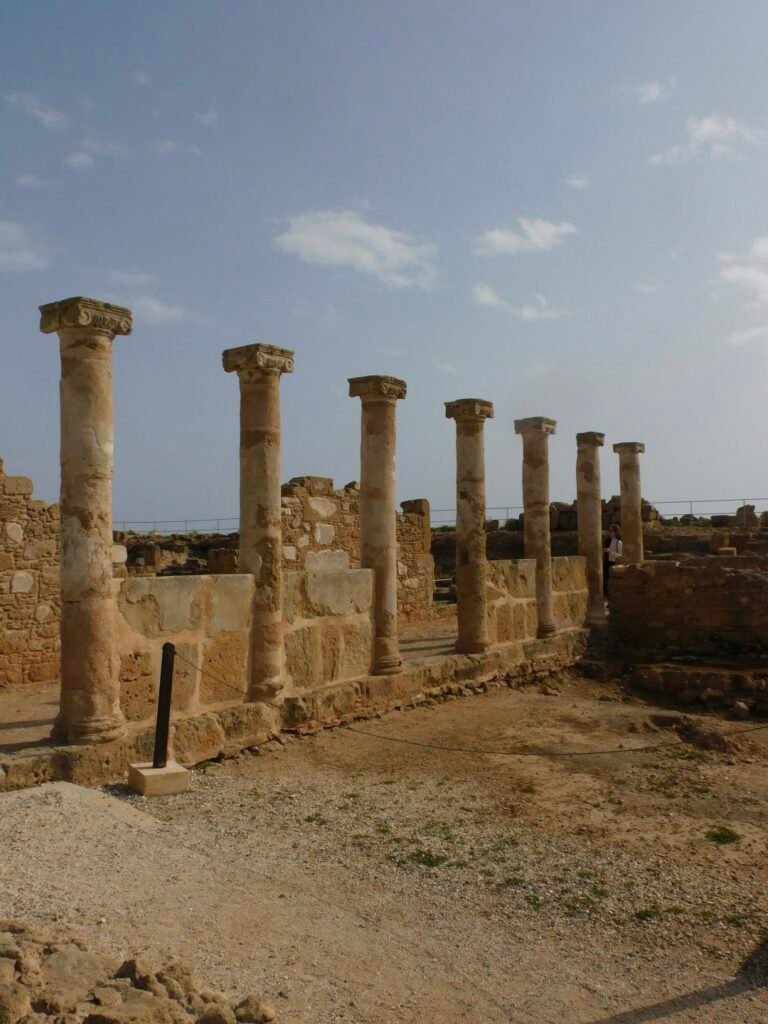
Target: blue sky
559 207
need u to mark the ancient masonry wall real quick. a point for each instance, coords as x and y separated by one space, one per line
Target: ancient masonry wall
512 613
29 584
208 618
700 609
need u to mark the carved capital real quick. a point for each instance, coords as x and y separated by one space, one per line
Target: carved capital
535 425
252 362
629 447
475 409
590 439
377 388
90 314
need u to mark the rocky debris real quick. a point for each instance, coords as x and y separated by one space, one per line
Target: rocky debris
53 979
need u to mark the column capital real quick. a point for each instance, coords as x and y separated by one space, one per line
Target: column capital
377 387
475 409
251 362
80 312
636 447
535 425
590 438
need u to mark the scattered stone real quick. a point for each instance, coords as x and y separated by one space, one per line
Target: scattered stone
740 709
14 1003
254 1010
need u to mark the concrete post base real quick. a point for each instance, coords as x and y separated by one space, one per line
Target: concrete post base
148 781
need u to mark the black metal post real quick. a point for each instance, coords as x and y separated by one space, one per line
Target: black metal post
160 758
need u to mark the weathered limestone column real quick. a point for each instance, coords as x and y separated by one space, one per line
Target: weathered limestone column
535 432
629 453
89 709
589 511
259 368
470 415
378 525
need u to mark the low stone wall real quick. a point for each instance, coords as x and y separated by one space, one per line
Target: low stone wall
328 635
512 613
700 609
30 606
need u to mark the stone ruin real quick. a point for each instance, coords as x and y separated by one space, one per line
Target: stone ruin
299 626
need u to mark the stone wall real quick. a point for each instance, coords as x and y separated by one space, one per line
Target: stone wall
328 635
512 613
705 608
29 584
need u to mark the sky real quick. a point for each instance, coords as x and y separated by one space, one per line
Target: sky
558 207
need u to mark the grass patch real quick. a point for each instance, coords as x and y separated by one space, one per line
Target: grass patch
722 835
316 819
426 858
648 913
441 830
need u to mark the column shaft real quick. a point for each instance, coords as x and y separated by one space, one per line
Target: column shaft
378 523
471 582
90 692
259 368
631 504
590 520
535 433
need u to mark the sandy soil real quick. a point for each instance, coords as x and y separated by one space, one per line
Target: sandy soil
354 879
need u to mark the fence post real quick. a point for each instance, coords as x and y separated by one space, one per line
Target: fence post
160 758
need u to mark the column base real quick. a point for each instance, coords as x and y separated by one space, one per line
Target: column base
545 629
386 656
471 647
390 667
100 729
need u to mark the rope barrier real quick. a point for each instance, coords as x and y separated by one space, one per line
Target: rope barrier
481 750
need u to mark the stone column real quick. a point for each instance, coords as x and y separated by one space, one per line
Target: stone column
535 432
470 415
589 511
631 513
378 524
259 368
89 709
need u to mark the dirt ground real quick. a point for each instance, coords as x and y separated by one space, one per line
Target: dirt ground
355 879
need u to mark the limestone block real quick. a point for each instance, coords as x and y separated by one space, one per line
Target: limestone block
16 485
358 647
339 593
289 553
14 532
505 628
22 583
302 541
165 604
119 554
332 642
231 597
319 508
293 596
225 658
326 561
197 739
138 694
43 612
303 655
184 694
149 781
324 533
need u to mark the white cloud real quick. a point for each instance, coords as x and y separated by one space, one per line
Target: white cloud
578 181
345 239
752 334
106 147
536 235
484 295
132 278
141 77
445 367
21 249
720 136
748 271
207 117
153 311
79 160
32 181
646 289
168 147
653 92
31 105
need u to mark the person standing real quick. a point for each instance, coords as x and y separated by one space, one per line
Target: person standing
611 554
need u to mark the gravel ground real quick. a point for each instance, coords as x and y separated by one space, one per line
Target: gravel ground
352 879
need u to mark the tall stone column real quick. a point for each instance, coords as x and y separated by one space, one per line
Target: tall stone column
89 709
629 453
535 433
378 525
259 368
470 415
589 511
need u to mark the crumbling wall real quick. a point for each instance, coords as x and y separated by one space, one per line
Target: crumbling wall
511 588
705 608
30 606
